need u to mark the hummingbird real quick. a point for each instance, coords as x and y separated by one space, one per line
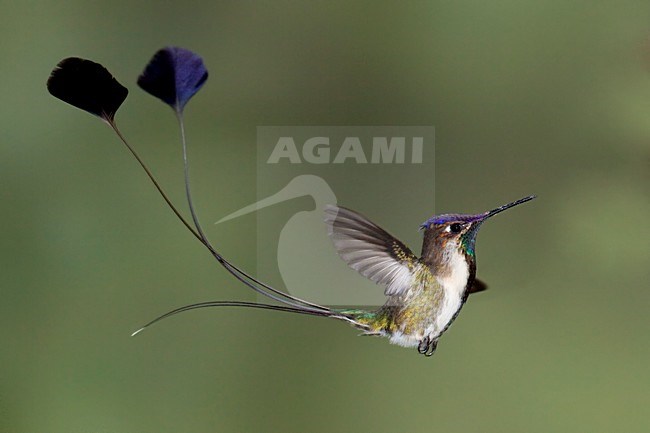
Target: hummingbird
424 294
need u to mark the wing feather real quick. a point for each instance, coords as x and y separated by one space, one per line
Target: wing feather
370 250
478 286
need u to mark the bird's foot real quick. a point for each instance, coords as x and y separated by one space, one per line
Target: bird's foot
422 347
427 346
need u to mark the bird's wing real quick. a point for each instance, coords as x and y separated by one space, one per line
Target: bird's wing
370 250
478 286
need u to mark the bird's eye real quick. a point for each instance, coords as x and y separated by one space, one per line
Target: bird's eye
455 228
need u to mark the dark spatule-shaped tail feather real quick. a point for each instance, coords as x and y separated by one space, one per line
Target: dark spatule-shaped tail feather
174 75
87 85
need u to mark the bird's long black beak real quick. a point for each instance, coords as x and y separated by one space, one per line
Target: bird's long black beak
470 235
508 206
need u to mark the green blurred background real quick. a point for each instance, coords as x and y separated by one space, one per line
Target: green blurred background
550 97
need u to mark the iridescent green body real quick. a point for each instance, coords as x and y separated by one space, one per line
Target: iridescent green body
408 313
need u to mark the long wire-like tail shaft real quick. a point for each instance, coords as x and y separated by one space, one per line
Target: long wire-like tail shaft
237 304
291 303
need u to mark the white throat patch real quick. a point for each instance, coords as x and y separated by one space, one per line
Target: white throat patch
453 286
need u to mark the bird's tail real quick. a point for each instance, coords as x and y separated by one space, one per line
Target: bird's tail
370 322
358 318
280 301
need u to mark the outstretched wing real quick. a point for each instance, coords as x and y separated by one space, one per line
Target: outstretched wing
370 250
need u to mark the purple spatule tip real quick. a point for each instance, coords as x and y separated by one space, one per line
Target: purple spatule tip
87 85
174 75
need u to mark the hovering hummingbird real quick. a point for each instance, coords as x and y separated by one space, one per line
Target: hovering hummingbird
425 294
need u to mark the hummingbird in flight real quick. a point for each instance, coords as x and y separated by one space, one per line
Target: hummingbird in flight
424 294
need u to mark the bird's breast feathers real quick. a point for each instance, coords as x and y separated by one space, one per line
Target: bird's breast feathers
453 284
